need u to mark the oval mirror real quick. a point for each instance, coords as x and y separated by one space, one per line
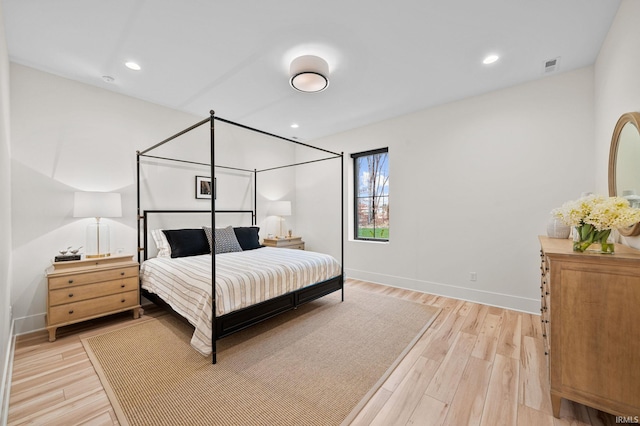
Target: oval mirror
624 164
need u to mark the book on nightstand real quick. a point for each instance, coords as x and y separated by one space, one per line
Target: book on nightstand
67 257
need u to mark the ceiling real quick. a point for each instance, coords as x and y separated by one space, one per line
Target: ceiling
385 58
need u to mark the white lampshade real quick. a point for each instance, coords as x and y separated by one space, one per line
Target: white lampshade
97 204
279 208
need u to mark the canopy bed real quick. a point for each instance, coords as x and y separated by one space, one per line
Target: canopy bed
252 282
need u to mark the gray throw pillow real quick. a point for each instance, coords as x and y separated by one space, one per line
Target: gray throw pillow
222 239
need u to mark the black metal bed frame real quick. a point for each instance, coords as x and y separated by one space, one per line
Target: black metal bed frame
232 322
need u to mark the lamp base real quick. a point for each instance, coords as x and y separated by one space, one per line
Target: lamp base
97 256
97 241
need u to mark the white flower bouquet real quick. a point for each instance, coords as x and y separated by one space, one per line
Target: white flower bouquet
594 217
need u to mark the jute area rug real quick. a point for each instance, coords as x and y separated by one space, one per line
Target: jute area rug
317 365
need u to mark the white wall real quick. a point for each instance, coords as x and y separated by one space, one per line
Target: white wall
5 218
471 187
617 87
68 136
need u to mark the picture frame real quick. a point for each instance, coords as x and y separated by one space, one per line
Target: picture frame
204 189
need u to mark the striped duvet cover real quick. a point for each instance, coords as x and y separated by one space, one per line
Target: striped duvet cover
242 279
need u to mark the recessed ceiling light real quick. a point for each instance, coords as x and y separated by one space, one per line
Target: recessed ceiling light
108 78
132 66
294 126
490 59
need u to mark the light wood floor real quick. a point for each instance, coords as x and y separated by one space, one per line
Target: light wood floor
475 365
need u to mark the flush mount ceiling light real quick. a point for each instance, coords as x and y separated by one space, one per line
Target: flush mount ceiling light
490 59
309 74
132 66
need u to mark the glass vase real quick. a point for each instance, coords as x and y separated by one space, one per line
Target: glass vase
586 235
606 242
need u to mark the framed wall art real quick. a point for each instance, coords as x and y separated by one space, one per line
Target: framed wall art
204 188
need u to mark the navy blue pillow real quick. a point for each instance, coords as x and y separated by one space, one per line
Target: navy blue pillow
187 242
248 237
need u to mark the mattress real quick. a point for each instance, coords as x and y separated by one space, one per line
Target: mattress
242 279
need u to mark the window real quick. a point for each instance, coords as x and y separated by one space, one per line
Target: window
371 190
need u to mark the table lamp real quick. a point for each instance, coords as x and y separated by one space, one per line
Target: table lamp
280 209
98 205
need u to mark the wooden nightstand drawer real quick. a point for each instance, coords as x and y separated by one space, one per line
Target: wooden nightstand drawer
90 291
90 308
91 288
91 277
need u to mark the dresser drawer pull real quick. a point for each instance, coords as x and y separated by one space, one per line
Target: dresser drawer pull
70 312
123 300
121 273
122 286
70 281
70 294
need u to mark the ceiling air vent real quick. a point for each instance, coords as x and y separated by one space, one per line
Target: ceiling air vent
551 65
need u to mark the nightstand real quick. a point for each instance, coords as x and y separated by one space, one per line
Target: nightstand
85 289
285 242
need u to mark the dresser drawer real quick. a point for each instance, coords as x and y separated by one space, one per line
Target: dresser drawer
77 293
74 311
91 277
296 247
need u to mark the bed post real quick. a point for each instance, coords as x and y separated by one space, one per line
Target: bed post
138 201
213 251
342 220
254 219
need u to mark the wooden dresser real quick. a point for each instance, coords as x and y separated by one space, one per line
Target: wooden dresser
591 326
285 242
84 289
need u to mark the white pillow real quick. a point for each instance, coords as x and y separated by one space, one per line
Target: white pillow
162 244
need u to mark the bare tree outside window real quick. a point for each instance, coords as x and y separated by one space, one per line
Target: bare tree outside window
371 188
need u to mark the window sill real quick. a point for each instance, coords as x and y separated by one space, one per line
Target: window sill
353 240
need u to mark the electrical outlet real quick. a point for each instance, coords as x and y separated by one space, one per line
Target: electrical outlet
473 276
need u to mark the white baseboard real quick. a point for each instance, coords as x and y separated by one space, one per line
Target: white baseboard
30 324
506 301
7 368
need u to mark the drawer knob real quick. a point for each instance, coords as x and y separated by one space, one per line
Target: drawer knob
121 285
121 273
70 281
546 353
70 312
70 294
123 300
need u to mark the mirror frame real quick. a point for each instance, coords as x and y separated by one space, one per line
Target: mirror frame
633 118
